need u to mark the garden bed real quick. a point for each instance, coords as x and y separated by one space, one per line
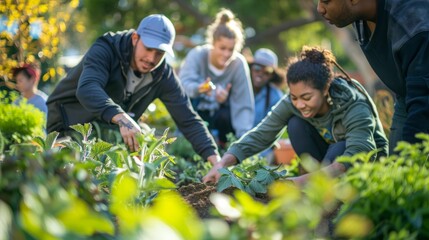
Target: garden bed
198 196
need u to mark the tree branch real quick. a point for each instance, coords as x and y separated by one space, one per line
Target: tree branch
276 30
202 19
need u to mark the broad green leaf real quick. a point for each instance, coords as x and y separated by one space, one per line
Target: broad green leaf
50 140
262 175
123 196
152 147
257 187
237 183
224 171
78 218
171 209
250 206
161 160
165 183
117 158
100 147
85 129
38 141
32 224
224 183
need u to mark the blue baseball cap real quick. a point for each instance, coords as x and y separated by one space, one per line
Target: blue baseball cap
265 57
157 31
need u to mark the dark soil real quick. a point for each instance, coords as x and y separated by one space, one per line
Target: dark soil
197 195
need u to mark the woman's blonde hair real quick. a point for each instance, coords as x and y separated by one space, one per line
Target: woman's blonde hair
226 25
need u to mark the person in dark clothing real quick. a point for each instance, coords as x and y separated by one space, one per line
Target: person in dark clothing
117 79
394 36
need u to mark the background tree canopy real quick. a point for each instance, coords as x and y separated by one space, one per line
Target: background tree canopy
267 23
284 26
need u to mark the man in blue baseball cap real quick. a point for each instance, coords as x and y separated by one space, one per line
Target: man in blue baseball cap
117 79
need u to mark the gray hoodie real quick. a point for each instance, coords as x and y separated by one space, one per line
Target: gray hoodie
195 71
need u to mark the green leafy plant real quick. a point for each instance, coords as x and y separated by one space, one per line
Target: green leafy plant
292 213
170 217
56 190
392 193
20 123
149 165
250 176
189 167
190 171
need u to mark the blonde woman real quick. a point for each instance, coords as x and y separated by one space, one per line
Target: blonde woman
217 78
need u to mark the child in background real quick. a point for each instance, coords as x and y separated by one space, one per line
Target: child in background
27 80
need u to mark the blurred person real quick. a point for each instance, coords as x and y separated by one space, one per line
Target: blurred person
117 79
216 77
326 117
394 36
264 71
27 79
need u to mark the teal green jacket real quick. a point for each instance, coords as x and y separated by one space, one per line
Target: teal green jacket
353 118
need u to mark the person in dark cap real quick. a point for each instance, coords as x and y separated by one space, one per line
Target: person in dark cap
27 79
117 79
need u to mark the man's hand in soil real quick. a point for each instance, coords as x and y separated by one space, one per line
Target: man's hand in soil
213 175
129 130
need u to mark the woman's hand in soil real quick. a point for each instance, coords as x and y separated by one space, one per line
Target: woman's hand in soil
213 175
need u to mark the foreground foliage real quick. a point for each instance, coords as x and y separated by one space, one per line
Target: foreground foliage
86 188
19 123
392 193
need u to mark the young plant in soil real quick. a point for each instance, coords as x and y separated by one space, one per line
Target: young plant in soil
250 176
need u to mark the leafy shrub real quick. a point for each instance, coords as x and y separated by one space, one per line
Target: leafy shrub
249 176
392 193
19 123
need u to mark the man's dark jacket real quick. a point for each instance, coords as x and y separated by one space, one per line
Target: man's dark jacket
398 51
96 90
